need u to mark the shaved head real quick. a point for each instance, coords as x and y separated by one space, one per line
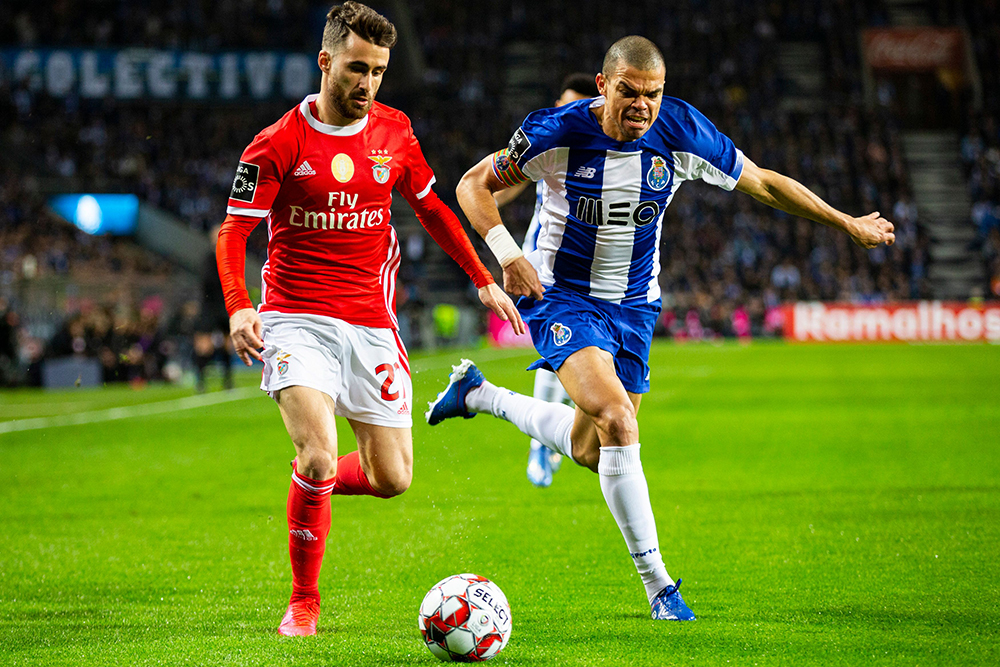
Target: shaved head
633 51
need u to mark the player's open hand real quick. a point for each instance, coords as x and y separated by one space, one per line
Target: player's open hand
872 230
496 300
245 330
521 279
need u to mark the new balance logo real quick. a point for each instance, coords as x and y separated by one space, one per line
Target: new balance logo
586 172
303 535
304 170
403 410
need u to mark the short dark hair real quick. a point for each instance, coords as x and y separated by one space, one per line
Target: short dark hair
580 82
634 51
360 19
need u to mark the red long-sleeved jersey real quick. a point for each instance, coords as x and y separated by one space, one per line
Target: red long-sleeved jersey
325 192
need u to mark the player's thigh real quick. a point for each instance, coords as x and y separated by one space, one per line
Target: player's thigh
589 377
584 436
309 419
603 408
386 455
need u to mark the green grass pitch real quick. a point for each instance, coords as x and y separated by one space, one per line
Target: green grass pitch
825 505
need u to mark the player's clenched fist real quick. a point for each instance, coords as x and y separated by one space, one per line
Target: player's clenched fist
521 279
872 230
245 330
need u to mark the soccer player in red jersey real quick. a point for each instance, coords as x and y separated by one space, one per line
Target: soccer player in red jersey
322 179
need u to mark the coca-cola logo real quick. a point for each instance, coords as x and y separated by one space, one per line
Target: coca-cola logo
914 49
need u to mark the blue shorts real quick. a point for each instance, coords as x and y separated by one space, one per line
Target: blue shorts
564 322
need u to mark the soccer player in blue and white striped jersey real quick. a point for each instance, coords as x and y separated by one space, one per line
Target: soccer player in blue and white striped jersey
590 293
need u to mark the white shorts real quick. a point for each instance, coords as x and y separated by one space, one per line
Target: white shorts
363 369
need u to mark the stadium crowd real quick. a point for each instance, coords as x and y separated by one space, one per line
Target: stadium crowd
727 262
981 141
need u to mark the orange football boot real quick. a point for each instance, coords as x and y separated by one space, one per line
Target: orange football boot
300 618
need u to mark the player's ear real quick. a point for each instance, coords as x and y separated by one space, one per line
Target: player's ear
323 60
601 82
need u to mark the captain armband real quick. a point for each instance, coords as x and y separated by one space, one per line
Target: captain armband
506 169
504 248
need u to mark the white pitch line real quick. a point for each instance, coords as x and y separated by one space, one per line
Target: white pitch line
437 362
143 410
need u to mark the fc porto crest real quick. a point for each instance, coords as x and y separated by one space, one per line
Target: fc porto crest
380 169
560 334
283 358
658 176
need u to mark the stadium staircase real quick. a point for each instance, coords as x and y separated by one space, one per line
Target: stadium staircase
940 190
941 194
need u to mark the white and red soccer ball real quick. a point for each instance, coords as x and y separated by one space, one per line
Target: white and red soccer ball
465 618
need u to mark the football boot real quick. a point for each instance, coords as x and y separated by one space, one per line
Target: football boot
539 464
451 402
300 618
668 605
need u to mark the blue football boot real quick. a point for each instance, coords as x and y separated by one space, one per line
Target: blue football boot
668 605
451 402
555 461
539 465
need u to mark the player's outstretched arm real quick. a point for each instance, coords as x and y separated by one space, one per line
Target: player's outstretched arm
476 197
444 227
786 194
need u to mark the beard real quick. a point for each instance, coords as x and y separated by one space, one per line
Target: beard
344 105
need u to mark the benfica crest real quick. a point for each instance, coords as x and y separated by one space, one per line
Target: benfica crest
283 358
658 176
379 170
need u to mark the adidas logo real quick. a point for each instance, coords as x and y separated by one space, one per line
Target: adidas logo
403 410
304 170
304 534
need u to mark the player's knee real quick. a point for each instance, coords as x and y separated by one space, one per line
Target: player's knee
391 475
316 463
394 481
618 424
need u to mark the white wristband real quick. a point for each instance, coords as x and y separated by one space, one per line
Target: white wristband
503 246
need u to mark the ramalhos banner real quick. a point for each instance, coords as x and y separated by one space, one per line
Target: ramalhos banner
159 74
931 321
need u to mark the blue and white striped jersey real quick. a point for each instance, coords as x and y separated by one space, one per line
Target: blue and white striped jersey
534 227
603 200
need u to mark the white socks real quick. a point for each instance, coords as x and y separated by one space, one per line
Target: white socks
627 495
549 423
549 388
622 480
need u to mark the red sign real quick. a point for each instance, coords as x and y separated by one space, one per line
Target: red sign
501 334
914 49
901 322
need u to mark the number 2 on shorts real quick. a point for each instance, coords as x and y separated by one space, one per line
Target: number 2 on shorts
390 371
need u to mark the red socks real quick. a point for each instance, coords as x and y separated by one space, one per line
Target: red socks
351 479
309 519
308 528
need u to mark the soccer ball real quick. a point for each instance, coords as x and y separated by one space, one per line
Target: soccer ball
465 618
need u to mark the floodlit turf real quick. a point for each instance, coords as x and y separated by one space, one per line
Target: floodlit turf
831 505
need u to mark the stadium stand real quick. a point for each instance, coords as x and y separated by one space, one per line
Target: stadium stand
784 79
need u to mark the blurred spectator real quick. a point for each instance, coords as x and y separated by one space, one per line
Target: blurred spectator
10 348
211 336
